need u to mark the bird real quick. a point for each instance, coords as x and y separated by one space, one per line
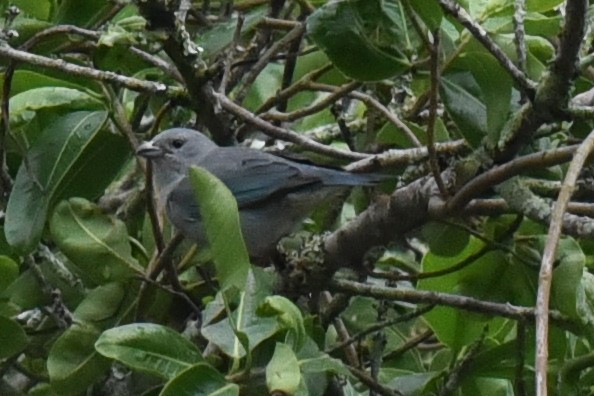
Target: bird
274 195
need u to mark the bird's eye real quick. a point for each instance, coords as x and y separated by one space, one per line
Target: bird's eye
177 143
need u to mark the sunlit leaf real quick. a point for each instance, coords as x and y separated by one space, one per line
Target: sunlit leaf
219 213
96 243
151 348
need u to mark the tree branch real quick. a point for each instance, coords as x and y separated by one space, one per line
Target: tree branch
545 277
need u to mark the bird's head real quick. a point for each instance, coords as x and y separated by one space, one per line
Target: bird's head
176 145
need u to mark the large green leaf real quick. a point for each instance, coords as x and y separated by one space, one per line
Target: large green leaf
39 9
48 162
429 11
465 107
25 80
289 317
496 86
73 364
81 12
9 272
282 372
96 244
12 337
24 105
150 348
362 38
486 278
200 380
218 210
101 303
245 321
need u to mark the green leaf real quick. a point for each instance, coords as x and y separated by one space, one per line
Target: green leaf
48 162
95 243
496 86
81 12
26 80
323 364
101 303
289 317
73 364
12 338
9 272
567 292
150 348
218 210
245 319
486 278
362 38
466 109
429 11
444 239
282 372
24 105
542 5
39 9
200 380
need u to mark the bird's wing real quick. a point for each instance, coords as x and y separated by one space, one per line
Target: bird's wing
252 181
253 176
264 178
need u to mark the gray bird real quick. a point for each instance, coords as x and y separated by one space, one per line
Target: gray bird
273 194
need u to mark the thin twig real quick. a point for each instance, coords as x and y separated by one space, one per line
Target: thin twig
294 89
498 206
228 59
519 383
545 277
379 326
430 297
520 36
282 133
373 103
409 344
433 103
372 384
479 33
265 58
314 108
132 83
398 157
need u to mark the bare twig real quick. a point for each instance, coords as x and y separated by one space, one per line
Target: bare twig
265 58
454 9
373 384
378 326
282 133
228 60
453 300
314 108
545 277
132 83
433 102
520 34
396 157
373 103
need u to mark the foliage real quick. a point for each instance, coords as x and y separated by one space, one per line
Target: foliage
427 284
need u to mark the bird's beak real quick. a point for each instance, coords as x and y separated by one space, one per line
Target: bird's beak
149 150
